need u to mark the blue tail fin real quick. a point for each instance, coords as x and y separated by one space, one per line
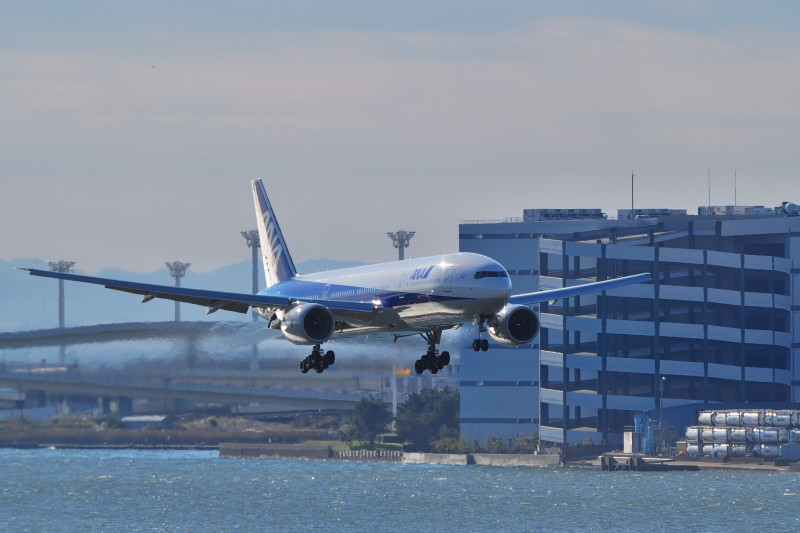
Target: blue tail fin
278 264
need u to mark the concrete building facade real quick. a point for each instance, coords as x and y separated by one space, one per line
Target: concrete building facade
719 323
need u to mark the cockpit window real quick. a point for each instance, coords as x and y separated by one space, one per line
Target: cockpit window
491 274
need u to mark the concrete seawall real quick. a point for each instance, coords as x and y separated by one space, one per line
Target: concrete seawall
307 451
486 459
265 451
436 458
497 459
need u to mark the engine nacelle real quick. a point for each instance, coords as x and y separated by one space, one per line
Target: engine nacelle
308 324
514 325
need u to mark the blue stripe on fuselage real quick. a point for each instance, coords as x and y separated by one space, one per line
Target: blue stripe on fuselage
297 289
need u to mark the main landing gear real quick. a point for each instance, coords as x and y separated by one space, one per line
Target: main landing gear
317 360
432 360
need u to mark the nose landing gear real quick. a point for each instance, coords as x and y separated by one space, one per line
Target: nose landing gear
480 344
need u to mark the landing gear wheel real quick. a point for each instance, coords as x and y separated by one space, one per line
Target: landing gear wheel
476 345
484 345
317 360
432 360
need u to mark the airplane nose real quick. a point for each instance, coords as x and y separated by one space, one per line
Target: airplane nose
506 290
500 289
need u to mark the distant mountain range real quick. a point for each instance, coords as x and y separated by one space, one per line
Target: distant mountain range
29 303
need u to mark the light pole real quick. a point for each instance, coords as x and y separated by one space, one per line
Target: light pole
177 270
401 240
661 439
63 267
661 401
254 244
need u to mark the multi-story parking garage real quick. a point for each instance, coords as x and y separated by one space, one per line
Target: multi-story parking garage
715 325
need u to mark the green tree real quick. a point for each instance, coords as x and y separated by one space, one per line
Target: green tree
427 416
370 417
495 445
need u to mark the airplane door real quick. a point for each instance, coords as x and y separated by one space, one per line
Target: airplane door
447 281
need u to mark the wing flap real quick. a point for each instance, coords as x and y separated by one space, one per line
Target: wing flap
213 300
229 301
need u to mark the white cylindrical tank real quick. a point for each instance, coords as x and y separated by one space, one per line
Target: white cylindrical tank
715 450
719 435
719 418
770 435
733 418
738 435
778 418
738 451
693 433
694 449
705 418
766 450
753 418
796 419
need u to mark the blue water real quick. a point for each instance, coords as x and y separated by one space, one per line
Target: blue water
77 490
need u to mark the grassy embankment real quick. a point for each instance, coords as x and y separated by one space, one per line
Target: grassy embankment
209 431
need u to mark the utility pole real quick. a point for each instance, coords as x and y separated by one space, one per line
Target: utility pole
401 240
177 270
63 267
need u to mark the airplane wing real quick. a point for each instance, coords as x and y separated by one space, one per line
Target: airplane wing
577 290
213 300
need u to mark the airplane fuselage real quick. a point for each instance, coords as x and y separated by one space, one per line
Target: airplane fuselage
410 295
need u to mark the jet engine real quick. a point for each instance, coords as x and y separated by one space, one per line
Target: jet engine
308 324
514 325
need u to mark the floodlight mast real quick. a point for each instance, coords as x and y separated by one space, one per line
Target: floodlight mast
254 243
63 267
400 240
177 270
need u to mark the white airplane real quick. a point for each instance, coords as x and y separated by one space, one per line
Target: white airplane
417 296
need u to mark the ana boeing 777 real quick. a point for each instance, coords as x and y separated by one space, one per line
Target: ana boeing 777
417 296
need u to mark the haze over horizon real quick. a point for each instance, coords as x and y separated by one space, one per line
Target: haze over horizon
131 131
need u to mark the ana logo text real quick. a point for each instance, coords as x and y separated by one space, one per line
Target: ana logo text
422 272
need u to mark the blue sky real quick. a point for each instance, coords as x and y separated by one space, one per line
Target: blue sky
129 132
